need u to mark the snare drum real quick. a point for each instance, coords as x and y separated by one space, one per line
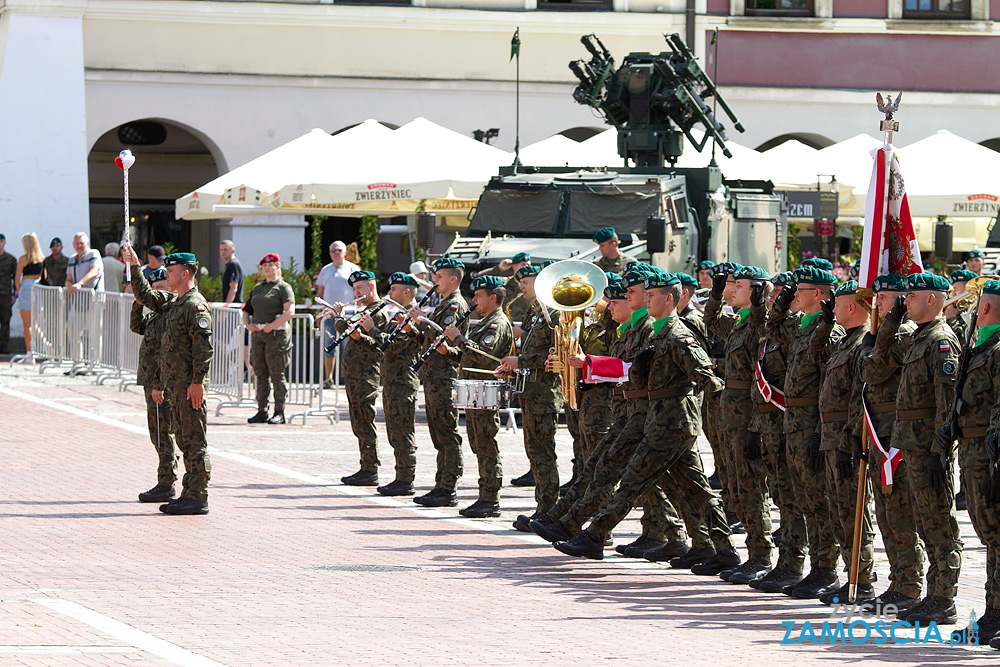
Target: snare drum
478 394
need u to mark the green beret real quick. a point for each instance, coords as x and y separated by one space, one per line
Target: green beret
929 266
631 264
782 279
727 268
156 275
614 291
521 257
686 280
527 270
812 276
400 278
487 282
661 279
962 274
548 262
179 258
54 241
751 273
635 277
817 263
603 235
888 283
975 252
991 287
447 263
926 282
856 269
850 287
705 265
360 276
612 277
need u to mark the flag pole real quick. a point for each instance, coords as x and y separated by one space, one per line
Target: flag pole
888 126
515 52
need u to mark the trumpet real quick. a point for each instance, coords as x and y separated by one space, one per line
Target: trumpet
967 299
570 287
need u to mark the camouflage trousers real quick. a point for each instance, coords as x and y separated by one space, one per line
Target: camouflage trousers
896 523
809 487
575 428
748 489
540 446
190 434
6 304
792 550
269 356
594 421
361 394
974 462
603 470
482 427
670 455
158 419
442 422
716 440
399 402
937 523
843 500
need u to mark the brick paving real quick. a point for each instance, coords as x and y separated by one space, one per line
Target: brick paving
291 568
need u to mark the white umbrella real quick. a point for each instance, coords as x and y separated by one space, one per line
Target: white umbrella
948 175
555 151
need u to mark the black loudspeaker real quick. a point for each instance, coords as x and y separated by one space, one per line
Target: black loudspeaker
944 237
656 234
426 222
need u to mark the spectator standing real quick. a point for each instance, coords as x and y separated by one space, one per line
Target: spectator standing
114 270
28 272
232 275
331 286
84 269
271 305
8 266
154 260
419 271
55 264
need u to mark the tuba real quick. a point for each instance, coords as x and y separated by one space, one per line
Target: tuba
967 299
570 286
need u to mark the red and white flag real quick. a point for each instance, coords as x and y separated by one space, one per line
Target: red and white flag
605 369
888 227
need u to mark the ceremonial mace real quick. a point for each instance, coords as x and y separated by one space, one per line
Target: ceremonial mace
124 161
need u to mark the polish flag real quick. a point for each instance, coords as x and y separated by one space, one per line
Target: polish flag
605 369
894 234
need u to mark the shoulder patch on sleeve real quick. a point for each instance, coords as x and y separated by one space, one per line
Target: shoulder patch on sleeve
453 306
201 307
944 346
203 322
948 367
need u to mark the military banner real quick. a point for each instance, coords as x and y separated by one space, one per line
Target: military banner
888 225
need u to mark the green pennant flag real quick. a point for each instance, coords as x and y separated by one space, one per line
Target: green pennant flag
515 45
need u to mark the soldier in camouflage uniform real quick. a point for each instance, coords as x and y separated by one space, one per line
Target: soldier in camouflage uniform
399 385
803 381
677 365
594 415
977 446
437 373
923 404
56 264
185 356
839 412
360 367
150 327
748 484
769 421
958 318
893 507
518 308
611 259
271 305
493 336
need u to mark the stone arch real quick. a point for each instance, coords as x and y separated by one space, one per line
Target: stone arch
808 138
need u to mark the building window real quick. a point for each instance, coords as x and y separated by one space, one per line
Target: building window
936 9
576 5
779 8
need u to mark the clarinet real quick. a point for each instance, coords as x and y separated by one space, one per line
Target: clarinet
406 320
438 341
351 329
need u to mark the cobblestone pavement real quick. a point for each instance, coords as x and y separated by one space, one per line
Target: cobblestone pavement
292 568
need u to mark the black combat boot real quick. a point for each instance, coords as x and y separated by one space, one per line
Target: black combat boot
777 580
396 488
939 609
437 498
583 545
720 561
361 478
815 584
481 509
552 532
667 552
989 625
639 547
862 593
898 601
259 418
160 493
692 557
527 479
755 568
184 505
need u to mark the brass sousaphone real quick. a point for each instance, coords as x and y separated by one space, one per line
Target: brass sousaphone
967 299
570 286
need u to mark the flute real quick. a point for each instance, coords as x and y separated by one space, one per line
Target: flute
405 321
354 327
439 340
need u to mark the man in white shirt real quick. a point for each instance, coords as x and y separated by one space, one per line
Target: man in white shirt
114 270
85 269
331 286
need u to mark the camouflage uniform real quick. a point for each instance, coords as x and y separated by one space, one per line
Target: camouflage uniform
840 410
517 308
270 351
893 507
748 481
980 395
399 396
960 325
360 365
492 335
594 415
8 266
55 270
711 421
185 355
436 373
803 380
668 447
614 265
150 327
540 405
926 387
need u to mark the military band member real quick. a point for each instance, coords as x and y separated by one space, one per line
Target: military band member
519 308
150 327
437 373
703 274
360 367
974 261
956 317
399 384
611 260
493 335
185 356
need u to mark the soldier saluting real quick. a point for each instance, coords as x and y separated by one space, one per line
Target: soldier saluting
185 356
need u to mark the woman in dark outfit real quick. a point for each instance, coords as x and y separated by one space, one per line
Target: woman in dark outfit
266 313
